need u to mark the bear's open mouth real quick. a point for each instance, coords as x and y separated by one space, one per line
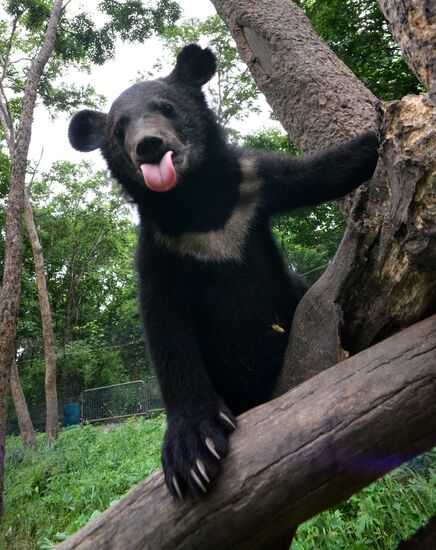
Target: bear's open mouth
160 176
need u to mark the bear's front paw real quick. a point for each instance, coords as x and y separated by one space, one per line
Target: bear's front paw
194 446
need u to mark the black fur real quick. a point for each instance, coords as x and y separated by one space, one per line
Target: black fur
211 302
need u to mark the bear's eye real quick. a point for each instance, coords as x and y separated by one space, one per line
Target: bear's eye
119 132
167 109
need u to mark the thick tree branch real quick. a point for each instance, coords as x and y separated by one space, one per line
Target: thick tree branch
413 24
293 457
307 86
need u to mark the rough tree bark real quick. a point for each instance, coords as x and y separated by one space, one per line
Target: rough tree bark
13 262
24 421
292 457
51 397
376 285
413 24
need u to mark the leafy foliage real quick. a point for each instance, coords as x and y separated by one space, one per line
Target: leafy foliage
89 240
53 492
357 33
271 139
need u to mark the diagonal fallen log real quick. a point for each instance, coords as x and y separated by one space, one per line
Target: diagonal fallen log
293 457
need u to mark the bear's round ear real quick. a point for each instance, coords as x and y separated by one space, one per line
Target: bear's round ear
195 66
86 130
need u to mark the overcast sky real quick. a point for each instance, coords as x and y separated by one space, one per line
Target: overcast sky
110 80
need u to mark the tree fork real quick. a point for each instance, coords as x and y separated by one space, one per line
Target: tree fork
293 457
383 277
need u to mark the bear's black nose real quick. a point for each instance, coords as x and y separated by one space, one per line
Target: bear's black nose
149 145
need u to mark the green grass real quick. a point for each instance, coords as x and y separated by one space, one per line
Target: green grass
51 493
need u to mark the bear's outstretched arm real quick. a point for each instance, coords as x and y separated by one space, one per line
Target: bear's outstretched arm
199 423
289 182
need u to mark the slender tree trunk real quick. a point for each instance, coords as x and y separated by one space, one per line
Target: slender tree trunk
13 263
383 277
51 397
24 421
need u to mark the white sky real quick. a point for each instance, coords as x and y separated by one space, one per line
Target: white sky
109 80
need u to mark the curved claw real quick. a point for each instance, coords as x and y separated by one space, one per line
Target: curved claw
211 446
177 487
197 480
202 470
227 420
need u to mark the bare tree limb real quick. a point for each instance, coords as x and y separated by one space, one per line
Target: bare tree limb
7 54
293 457
35 171
5 115
6 125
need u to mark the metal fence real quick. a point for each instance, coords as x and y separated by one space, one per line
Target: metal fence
138 398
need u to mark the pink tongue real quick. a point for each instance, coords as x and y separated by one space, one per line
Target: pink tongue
160 177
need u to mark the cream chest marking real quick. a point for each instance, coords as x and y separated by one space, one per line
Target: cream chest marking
226 243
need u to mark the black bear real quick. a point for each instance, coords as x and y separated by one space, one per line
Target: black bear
216 297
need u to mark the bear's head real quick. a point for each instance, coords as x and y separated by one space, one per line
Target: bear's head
155 132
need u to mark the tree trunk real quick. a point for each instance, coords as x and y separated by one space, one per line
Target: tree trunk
13 262
51 397
413 24
292 457
379 280
316 97
24 421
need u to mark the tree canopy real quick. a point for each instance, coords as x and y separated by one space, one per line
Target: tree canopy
84 38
